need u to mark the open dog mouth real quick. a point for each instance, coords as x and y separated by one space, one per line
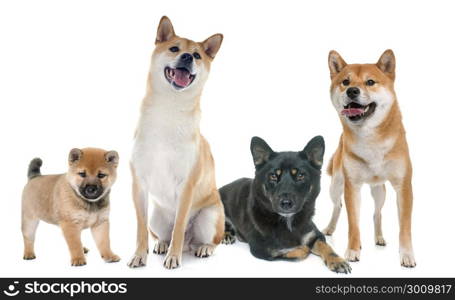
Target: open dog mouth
179 77
355 111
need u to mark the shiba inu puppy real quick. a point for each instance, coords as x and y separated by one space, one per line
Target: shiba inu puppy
372 149
74 201
171 160
273 212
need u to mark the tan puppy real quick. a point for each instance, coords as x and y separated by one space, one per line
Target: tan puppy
372 149
76 200
171 160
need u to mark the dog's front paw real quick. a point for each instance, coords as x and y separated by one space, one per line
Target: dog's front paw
29 256
407 259
161 247
338 265
328 230
172 261
228 238
138 260
205 251
111 258
78 261
352 255
380 241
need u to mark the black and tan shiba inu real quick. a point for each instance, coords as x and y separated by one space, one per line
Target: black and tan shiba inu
273 212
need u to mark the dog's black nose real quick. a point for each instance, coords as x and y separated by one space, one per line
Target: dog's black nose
186 58
353 92
286 204
91 190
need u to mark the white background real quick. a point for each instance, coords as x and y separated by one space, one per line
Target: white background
72 74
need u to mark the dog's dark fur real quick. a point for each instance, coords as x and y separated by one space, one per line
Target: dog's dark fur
273 212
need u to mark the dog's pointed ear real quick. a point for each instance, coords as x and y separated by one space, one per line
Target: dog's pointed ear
74 156
212 44
314 151
165 30
261 151
111 157
336 63
386 63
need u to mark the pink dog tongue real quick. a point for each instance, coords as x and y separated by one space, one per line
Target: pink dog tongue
182 77
350 112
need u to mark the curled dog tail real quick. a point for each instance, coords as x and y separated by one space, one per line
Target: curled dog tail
34 168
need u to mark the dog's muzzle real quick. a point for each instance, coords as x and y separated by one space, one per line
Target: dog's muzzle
91 191
355 111
286 204
181 76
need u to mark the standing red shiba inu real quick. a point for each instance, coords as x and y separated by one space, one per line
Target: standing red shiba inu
76 200
171 160
372 149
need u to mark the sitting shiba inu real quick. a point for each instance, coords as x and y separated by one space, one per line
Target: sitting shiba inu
74 201
171 160
372 149
273 212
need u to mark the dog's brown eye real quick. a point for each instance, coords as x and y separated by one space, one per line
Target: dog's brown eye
82 174
101 175
196 55
370 82
346 82
273 177
174 49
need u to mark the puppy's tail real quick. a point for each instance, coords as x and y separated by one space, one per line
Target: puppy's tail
34 168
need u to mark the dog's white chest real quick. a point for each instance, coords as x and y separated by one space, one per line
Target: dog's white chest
373 166
89 219
164 153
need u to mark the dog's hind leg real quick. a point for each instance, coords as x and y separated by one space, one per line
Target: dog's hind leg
208 230
29 226
336 191
378 194
229 233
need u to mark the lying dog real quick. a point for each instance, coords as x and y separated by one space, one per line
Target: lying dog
273 212
171 160
74 201
372 149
